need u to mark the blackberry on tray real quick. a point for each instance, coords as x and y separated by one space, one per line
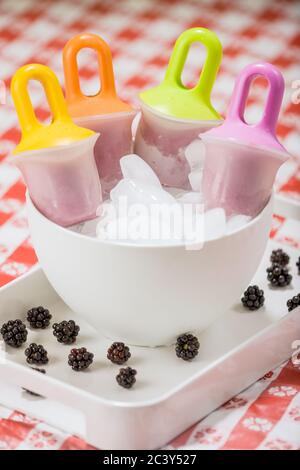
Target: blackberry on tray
66 332
126 377
278 276
118 353
294 302
14 333
298 265
279 257
253 298
187 346
39 317
80 359
36 354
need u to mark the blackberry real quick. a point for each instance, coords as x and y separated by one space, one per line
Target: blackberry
187 346
66 331
126 377
14 333
36 354
42 371
298 265
39 317
294 302
118 353
80 359
253 298
278 276
279 257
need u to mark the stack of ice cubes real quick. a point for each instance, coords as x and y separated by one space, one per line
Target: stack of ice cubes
141 211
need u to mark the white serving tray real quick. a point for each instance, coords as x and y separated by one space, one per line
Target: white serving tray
170 395
286 207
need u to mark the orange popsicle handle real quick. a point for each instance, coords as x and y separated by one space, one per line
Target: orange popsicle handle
106 100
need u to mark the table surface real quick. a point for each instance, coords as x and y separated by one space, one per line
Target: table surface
141 34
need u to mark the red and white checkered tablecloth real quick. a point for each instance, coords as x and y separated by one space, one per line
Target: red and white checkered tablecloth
141 34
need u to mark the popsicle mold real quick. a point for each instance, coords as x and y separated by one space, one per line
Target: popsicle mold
104 112
173 115
35 135
162 142
241 159
56 160
114 142
171 97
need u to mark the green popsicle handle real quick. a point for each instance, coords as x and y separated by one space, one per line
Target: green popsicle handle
171 97
211 65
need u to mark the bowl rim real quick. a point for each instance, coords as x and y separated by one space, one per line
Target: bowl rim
143 246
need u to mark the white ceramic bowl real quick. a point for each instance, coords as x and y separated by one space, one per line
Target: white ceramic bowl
147 295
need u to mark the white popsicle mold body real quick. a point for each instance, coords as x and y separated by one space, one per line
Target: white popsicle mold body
114 142
63 181
162 140
147 295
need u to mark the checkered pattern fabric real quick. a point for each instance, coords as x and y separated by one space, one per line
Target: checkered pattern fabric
141 34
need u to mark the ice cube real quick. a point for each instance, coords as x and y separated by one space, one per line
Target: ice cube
194 154
236 222
190 197
214 223
140 193
195 179
135 168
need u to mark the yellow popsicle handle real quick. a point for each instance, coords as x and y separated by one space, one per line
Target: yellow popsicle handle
211 65
19 90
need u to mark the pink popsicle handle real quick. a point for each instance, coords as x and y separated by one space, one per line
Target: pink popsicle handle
274 99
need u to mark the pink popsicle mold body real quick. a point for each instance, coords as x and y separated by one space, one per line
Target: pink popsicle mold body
241 159
63 181
162 140
114 142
